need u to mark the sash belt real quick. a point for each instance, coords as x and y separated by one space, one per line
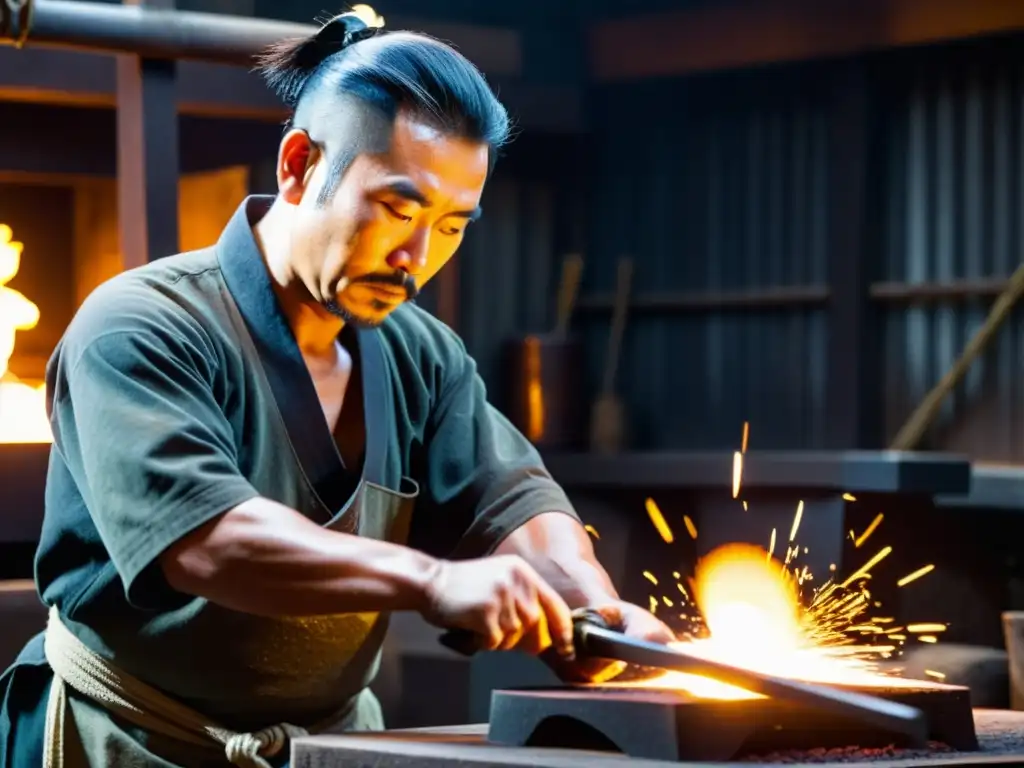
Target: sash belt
80 668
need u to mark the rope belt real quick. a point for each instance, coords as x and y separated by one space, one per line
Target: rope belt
78 667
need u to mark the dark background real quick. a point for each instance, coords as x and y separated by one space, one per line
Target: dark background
781 215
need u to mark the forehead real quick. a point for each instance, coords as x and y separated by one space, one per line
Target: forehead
441 166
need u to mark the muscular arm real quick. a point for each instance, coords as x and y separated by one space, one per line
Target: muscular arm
560 549
264 558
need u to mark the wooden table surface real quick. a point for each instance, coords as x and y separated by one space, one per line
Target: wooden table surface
1001 734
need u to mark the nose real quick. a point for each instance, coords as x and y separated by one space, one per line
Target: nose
411 256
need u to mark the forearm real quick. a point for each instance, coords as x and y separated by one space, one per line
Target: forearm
264 558
561 551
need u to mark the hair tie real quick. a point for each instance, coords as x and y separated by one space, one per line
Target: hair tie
351 27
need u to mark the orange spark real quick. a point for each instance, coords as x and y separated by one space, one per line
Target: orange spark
659 521
796 521
737 473
928 628
865 569
868 531
915 575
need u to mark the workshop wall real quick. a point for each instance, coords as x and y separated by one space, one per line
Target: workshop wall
954 158
717 186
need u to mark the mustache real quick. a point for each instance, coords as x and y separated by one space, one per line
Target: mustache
396 279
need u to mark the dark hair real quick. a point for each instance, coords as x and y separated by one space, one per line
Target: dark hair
352 55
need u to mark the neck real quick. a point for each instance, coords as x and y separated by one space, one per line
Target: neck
316 330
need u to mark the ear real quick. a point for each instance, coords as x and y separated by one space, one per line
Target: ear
296 159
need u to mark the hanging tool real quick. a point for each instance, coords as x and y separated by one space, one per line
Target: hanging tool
607 425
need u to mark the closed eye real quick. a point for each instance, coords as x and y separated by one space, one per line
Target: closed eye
395 213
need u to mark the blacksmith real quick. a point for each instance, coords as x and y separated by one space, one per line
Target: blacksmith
262 449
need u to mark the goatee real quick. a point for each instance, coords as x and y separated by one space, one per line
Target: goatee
332 306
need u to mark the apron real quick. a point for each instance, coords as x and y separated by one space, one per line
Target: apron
94 739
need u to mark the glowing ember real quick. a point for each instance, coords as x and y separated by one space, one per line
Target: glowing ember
22 407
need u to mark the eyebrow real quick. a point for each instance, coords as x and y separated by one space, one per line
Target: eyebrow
406 189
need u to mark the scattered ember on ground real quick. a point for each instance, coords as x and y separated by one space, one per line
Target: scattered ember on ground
849 754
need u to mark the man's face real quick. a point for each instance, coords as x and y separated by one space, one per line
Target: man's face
396 217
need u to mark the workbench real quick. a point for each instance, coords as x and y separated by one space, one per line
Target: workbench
1001 734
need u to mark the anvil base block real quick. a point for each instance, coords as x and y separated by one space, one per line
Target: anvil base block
665 725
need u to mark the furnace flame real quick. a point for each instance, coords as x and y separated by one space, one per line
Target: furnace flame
22 407
753 618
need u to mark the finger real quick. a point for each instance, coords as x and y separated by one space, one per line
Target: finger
511 626
647 627
559 618
512 629
612 615
493 633
535 637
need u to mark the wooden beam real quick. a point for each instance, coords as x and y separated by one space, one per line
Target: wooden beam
147 153
951 291
744 33
698 301
75 78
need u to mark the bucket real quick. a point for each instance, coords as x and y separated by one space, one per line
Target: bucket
544 397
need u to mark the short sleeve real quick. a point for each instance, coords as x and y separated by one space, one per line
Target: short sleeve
484 479
136 421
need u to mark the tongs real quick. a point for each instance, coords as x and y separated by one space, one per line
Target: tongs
593 638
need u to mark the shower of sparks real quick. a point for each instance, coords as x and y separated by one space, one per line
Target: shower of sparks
745 507
868 531
592 531
660 525
836 636
915 575
796 522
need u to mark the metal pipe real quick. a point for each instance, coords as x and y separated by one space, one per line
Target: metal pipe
151 33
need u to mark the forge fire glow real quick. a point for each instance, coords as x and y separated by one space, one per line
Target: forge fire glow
747 611
23 416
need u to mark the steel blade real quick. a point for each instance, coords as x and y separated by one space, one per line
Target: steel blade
888 715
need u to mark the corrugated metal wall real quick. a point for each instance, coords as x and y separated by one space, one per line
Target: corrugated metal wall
954 158
714 185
